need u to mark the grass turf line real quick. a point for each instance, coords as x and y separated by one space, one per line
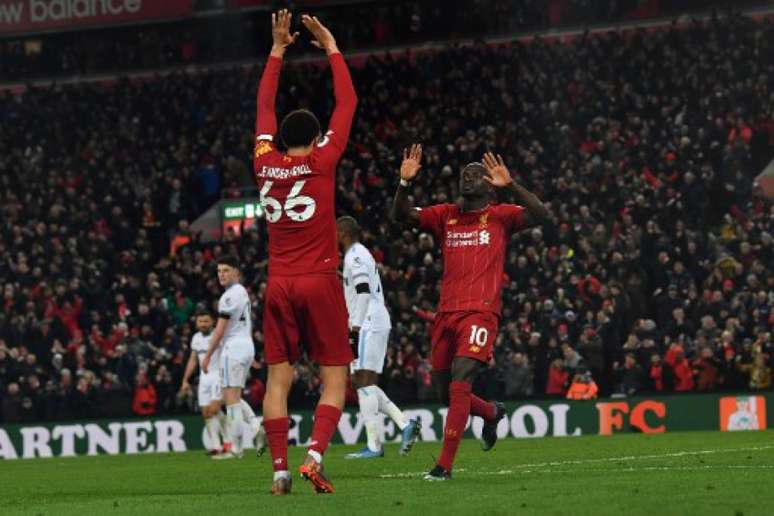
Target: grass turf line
677 473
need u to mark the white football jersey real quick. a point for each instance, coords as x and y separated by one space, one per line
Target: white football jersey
200 343
234 305
360 267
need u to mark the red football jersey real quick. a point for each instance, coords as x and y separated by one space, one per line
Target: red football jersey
474 245
297 192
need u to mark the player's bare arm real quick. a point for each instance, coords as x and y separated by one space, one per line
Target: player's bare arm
215 340
281 36
500 177
323 39
402 211
190 367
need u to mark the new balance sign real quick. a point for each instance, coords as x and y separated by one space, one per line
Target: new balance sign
37 15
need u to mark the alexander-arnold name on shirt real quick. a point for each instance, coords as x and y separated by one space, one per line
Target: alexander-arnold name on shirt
284 172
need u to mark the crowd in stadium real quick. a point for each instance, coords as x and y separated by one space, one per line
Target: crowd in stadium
654 275
242 37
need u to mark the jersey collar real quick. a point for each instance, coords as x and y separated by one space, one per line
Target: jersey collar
462 212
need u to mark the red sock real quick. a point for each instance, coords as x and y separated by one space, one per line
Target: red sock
481 408
457 418
326 420
277 435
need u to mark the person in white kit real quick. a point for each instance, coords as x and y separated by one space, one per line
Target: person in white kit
209 392
369 324
234 333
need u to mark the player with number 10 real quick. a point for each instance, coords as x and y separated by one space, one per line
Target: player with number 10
304 301
474 236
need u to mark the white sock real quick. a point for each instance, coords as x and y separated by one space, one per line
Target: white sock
316 456
281 474
222 425
390 409
212 424
369 407
234 423
249 415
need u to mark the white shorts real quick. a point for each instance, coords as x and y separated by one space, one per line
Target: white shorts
234 369
371 350
209 390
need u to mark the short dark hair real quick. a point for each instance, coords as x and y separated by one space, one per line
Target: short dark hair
299 128
475 164
201 309
230 260
349 225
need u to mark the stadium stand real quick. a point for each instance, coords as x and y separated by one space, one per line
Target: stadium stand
655 273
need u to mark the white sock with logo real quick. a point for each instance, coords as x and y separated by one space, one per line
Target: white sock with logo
212 424
234 423
387 407
369 408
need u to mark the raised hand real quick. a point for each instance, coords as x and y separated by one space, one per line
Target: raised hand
412 162
497 173
280 29
323 38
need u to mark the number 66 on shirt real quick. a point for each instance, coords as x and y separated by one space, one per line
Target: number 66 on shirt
274 209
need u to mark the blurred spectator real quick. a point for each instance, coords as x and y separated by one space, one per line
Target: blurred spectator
661 375
558 378
518 376
759 373
631 378
11 404
675 359
145 398
707 370
582 387
572 360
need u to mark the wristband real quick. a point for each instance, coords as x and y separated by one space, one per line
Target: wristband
404 183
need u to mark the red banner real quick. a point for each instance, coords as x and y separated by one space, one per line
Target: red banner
17 16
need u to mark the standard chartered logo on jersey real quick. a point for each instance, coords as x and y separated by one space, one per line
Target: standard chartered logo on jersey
467 238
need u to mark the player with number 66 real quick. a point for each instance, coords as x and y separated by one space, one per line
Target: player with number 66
304 301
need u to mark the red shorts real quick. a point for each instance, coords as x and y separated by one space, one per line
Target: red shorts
307 309
463 334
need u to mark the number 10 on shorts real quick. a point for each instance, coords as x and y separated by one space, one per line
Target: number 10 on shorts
478 337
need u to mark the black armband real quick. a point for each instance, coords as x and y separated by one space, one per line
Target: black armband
362 288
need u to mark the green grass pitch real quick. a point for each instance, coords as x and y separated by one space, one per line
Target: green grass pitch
677 473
